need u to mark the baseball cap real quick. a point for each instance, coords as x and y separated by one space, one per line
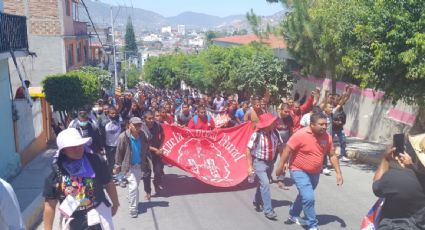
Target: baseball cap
136 120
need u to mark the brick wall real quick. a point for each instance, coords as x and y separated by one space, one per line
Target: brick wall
43 15
16 7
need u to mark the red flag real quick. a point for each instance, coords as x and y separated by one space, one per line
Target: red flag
216 157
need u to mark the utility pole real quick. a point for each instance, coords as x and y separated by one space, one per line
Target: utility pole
114 53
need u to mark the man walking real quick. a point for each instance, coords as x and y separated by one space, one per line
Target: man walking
132 159
307 148
155 141
260 154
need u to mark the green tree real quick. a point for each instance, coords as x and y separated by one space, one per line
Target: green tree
130 38
104 77
71 91
249 68
209 36
388 52
376 43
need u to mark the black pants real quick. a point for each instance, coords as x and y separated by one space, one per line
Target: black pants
80 222
110 156
158 171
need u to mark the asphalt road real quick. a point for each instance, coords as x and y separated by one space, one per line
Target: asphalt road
189 204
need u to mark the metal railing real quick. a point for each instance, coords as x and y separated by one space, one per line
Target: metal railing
80 28
13 33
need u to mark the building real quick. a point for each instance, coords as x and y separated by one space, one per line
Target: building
59 43
278 44
166 29
181 29
13 36
55 34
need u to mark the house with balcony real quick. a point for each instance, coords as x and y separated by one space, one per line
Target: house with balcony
13 43
55 35
59 43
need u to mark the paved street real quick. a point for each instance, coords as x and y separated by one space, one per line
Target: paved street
189 204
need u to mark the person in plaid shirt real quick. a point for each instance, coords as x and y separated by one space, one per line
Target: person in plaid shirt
261 151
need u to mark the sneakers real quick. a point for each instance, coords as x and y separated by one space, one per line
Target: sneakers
345 159
271 215
296 220
258 206
313 228
326 171
134 214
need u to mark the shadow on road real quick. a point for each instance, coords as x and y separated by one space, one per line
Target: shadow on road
144 206
280 203
326 219
179 185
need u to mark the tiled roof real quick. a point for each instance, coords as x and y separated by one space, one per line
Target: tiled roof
272 41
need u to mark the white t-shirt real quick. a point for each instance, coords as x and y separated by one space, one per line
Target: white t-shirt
218 103
305 120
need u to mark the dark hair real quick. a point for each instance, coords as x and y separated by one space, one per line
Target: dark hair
148 113
316 116
316 109
201 108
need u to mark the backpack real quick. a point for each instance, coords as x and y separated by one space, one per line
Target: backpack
195 119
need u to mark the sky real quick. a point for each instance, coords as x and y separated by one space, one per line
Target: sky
219 8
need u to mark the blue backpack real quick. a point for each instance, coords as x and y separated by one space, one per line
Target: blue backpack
195 119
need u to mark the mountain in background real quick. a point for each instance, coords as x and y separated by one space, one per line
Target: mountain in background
144 20
101 15
192 19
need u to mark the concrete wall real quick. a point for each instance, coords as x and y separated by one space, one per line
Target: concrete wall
369 117
50 59
68 21
30 123
10 162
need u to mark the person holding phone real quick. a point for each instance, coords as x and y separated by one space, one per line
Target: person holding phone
403 188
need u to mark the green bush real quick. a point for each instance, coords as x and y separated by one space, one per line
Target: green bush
72 90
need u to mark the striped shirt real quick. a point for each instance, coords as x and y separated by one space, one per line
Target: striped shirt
263 145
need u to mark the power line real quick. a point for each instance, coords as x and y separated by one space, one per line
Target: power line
91 21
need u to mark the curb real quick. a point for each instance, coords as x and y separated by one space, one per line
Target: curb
33 213
367 159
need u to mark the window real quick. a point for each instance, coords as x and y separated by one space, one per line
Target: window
70 56
67 8
78 52
85 53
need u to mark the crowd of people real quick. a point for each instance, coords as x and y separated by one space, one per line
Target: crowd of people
126 130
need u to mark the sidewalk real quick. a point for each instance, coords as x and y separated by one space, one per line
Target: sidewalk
29 183
364 151
28 186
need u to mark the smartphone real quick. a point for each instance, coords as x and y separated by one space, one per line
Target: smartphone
398 143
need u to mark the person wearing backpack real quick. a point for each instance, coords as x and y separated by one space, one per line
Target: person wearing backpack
201 120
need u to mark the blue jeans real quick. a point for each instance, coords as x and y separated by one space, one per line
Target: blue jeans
263 195
306 183
342 141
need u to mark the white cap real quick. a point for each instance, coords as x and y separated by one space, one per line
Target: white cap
69 138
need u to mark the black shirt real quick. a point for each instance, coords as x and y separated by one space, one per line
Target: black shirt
403 190
157 135
90 190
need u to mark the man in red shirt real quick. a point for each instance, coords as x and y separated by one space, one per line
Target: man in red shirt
298 111
307 148
201 120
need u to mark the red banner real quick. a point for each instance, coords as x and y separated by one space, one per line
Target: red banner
216 157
